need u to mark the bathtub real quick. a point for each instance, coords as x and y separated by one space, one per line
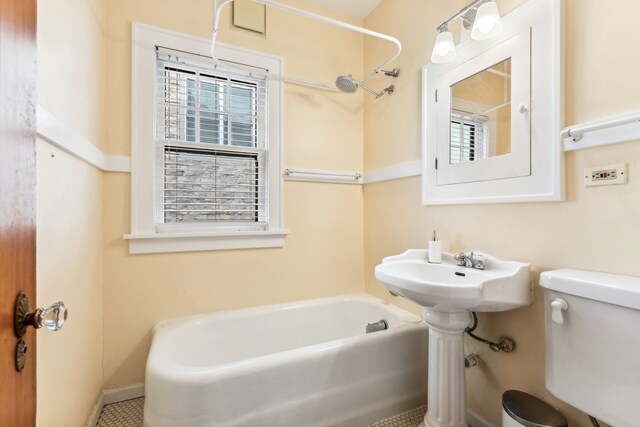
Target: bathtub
302 364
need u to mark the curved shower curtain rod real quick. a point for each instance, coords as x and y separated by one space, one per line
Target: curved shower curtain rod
320 18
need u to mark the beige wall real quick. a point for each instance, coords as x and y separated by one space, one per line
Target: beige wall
69 211
323 254
82 213
595 228
69 252
71 65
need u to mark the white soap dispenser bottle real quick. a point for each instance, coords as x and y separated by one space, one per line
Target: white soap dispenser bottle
435 250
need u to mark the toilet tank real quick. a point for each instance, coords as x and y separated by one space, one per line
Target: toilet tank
593 351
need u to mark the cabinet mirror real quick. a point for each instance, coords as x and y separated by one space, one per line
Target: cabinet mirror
492 117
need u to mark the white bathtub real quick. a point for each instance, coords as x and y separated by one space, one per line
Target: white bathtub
301 364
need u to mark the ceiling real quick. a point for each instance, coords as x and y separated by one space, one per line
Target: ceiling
356 8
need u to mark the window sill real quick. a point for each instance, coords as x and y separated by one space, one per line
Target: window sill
150 243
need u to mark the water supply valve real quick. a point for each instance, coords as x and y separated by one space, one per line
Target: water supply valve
471 360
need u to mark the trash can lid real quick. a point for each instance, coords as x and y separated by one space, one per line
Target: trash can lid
530 411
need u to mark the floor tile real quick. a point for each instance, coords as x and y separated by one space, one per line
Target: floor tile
122 414
407 419
129 414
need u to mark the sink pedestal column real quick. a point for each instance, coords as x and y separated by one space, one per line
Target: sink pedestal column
446 403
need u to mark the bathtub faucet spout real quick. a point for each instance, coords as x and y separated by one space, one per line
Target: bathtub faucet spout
380 325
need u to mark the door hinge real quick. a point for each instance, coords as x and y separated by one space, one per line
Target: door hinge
436 95
436 163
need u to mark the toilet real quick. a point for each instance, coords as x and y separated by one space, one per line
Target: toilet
592 324
522 409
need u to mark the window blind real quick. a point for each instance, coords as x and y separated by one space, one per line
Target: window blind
211 141
467 139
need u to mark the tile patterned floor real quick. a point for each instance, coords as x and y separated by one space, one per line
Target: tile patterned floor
122 414
129 414
407 419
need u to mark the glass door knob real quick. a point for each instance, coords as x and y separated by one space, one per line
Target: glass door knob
52 317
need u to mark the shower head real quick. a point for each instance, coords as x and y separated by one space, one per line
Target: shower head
347 84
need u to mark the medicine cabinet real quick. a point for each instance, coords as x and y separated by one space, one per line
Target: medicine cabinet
492 117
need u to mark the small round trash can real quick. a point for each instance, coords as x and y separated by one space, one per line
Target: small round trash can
522 409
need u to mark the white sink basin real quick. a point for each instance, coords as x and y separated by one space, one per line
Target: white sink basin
503 285
447 293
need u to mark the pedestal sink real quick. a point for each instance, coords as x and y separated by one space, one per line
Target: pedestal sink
448 293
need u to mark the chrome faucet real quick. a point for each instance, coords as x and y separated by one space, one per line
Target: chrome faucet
464 260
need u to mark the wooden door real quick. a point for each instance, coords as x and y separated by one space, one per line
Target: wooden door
17 203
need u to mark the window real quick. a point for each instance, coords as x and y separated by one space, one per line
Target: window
468 138
205 146
212 146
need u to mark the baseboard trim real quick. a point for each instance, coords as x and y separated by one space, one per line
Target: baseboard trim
96 410
119 394
114 395
475 420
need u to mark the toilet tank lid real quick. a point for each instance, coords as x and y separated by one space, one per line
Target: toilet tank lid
610 288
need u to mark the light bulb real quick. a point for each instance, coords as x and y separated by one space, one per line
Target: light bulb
444 49
487 23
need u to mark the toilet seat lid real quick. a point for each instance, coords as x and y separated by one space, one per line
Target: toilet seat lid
530 411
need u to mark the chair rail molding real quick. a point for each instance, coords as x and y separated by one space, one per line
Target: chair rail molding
397 171
52 130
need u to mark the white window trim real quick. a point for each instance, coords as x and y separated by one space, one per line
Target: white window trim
144 237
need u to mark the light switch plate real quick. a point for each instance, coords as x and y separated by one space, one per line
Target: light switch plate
605 175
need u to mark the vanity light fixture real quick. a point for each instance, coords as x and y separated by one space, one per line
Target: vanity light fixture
487 23
444 50
480 17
